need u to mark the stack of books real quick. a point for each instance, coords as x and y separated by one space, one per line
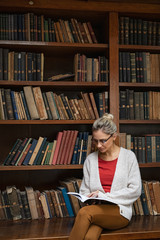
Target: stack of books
34 204
137 31
139 105
70 147
21 66
32 27
31 103
146 147
149 201
88 69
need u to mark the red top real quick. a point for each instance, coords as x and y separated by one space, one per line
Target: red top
106 173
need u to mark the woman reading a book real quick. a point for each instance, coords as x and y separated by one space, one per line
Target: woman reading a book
111 173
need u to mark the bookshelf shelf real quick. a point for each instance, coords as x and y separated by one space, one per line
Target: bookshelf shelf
37 168
139 85
150 165
139 121
139 47
55 47
57 84
45 122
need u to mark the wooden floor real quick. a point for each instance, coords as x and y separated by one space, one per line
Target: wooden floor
147 227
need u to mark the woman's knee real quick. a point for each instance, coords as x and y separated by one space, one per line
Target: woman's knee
82 212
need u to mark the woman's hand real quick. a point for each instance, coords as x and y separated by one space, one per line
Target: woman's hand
93 194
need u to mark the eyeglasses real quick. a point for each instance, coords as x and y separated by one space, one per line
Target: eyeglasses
101 141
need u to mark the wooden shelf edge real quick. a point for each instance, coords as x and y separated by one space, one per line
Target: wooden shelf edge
53 84
143 85
148 165
39 167
52 44
44 122
139 121
139 47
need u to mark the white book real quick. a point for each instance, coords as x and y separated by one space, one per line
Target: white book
84 199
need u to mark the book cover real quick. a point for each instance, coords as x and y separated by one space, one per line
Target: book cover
67 201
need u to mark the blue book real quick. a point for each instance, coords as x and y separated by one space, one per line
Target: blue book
67 201
157 148
29 154
40 151
80 135
14 105
144 202
149 149
74 157
84 150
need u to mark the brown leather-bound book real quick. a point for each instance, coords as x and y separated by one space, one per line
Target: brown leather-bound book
61 104
55 203
75 29
94 104
40 103
93 36
153 202
87 32
74 109
14 203
149 204
150 105
56 33
88 104
45 206
83 33
71 145
156 191
50 202
61 148
28 92
65 147
60 33
60 109
83 107
59 138
38 204
32 202
74 201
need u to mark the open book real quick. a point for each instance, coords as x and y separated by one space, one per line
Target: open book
85 199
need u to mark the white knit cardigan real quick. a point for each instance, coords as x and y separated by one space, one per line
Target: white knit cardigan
126 185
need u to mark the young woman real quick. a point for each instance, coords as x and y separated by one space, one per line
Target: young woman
111 173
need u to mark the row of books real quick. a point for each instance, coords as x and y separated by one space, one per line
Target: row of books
21 66
146 148
139 105
32 103
139 67
89 69
69 147
33 204
149 201
138 31
32 27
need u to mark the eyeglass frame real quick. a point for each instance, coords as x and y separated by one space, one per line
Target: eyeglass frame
102 141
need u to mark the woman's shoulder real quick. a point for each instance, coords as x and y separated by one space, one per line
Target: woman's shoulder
127 152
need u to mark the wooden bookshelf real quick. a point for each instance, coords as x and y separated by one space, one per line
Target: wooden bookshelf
59 58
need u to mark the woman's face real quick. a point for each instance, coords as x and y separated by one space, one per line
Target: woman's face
102 140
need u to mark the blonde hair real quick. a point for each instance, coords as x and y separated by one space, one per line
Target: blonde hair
106 124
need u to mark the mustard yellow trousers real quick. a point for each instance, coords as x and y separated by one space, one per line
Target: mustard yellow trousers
92 219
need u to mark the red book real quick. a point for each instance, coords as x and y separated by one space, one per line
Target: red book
61 147
65 147
59 138
73 141
93 36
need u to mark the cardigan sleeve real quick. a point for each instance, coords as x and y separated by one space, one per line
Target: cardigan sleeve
85 185
129 194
